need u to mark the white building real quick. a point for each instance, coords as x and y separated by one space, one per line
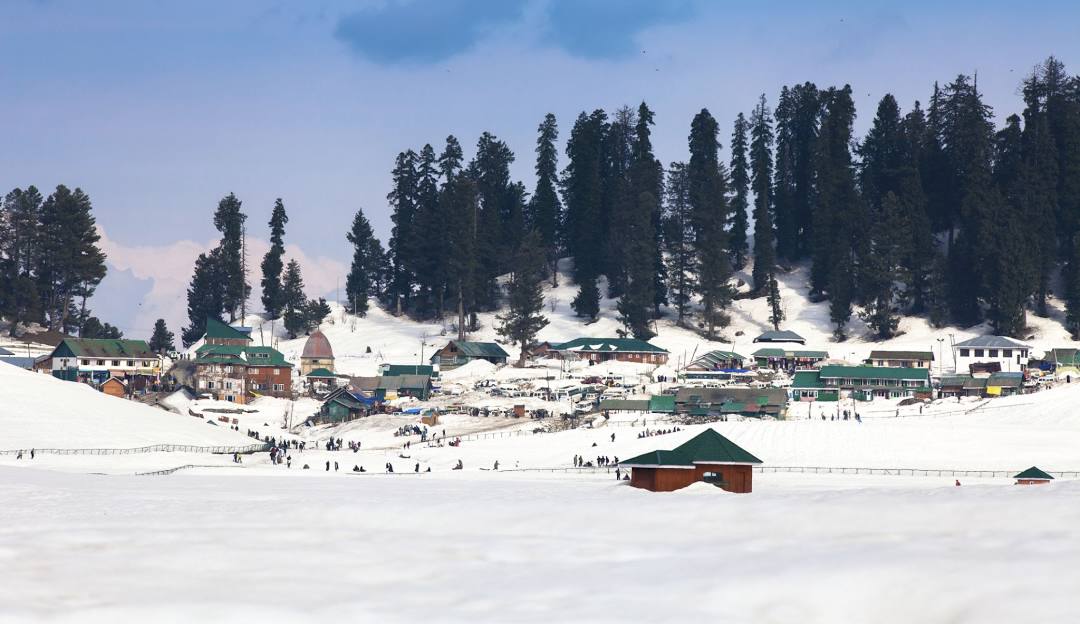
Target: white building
1009 354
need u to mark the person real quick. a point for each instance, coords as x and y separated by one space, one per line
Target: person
288 461
459 465
613 436
328 465
356 468
617 475
417 469
496 464
335 466
18 455
31 453
958 483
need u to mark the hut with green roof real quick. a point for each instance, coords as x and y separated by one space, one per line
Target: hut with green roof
1033 476
708 456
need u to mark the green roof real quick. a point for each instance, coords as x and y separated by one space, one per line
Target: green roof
609 345
321 373
806 380
707 447
1034 473
776 352
630 405
874 372
480 349
664 404
393 370
247 355
217 329
712 359
104 348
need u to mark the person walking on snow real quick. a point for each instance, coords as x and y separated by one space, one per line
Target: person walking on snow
613 437
496 464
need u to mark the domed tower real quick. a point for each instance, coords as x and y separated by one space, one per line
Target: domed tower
317 354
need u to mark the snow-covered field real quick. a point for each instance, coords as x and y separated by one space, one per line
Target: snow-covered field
474 547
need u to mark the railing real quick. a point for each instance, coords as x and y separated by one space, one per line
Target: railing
169 471
156 448
894 472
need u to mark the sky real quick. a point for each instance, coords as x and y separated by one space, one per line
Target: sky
159 109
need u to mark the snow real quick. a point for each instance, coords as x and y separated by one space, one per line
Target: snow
40 411
495 547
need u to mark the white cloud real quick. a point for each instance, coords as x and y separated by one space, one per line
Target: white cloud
169 268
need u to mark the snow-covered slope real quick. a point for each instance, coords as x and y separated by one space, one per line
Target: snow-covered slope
39 411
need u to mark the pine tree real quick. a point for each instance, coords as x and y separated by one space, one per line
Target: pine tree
679 240
271 264
617 197
637 300
808 106
366 265
402 199
918 260
205 296
24 212
740 185
647 177
525 302
69 263
428 242
314 312
494 238
761 176
295 301
881 269
581 187
776 310
229 220
784 200
458 204
586 304
708 208
545 211
92 328
161 341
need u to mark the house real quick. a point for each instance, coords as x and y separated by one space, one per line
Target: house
218 333
393 370
321 380
782 335
390 388
717 402
114 386
606 349
864 383
708 457
317 354
541 350
95 360
1004 384
901 359
459 352
1033 476
1009 354
714 362
8 357
1065 363
777 358
342 405
961 385
230 372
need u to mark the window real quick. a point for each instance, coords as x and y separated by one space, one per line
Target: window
964 353
279 387
84 362
131 362
978 352
1006 353
992 353
254 386
202 383
116 362
264 356
229 398
209 385
228 369
277 371
101 363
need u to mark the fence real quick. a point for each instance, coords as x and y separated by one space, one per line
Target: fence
893 472
156 448
169 471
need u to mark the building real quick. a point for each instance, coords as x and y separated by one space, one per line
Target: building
321 381
390 388
777 358
218 333
96 360
731 401
716 361
1065 363
606 349
782 335
708 457
459 352
7 357
1004 384
342 405
114 386
1011 356
953 386
864 383
901 359
1033 476
394 370
541 350
229 368
317 354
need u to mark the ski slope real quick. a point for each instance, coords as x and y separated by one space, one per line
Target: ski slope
39 411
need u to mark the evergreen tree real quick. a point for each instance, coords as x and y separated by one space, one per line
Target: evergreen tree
881 269
525 302
776 310
315 311
586 303
92 328
205 296
679 240
23 209
545 211
1007 286
638 297
784 200
807 112
740 185
708 207
161 341
458 203
647 178
498 204
295 301
367 264
229 220
617 197
918 260
402 199
761 176
581 195
272 265
69 263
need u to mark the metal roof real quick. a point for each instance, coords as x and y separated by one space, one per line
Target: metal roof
217 329
874 372
777 352
105 348
1034 473
247 355
393 370
479 349
783 335
609 345
707 447
901 355
318 347
712 359
992 342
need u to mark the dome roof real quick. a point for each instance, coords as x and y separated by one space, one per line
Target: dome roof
317 346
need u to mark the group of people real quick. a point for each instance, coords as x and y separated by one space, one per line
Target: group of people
19 455
847 415
648 433
601 461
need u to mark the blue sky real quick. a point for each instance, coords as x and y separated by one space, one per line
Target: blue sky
158 109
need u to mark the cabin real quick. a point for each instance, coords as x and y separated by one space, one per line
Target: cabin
1065 363
541 350
96 360
218 333
607 349
782 335
1010 355
321 381
901 359
707 457
864 383
394 370
952 386
777 358
460 352
1004 384
114 386
1033 476
731 401
715 365
317 354
342 405
390 388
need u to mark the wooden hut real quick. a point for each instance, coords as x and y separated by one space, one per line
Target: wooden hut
708 457
1033 476
114 386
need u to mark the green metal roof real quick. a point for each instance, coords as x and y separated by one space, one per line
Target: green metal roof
874 372
321 373
708 447
806 380
712 359
769 352
664 404
609 345
883 354
104 348
217 329
248 355
481 349
393 370
777 352
1034 473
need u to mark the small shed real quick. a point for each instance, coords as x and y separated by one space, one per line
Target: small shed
1033 476
114 386
708 457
